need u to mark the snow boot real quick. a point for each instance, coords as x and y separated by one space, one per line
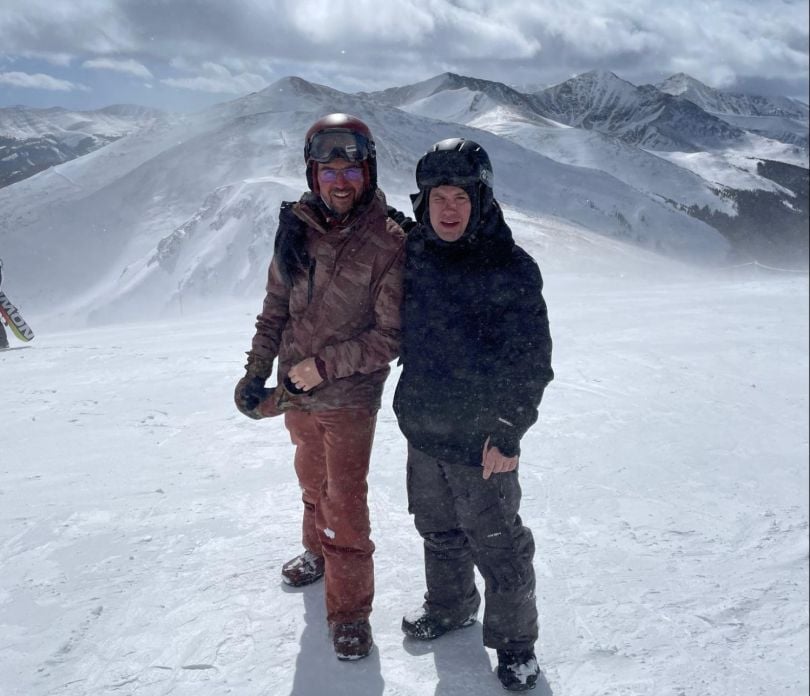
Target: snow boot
352 641
518 670
302 570
422 625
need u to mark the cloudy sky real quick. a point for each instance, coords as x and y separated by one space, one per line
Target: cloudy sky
187 54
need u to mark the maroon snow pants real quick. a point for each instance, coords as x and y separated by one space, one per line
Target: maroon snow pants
332 455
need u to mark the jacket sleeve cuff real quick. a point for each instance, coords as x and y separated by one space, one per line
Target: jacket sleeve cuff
321 365
506 438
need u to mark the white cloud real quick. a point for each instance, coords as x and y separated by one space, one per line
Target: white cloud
61 60
129 66
375 44
724 37
217 79
40 81
439 27
350 24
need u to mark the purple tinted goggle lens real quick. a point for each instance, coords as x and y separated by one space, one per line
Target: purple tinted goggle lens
324 147
330 176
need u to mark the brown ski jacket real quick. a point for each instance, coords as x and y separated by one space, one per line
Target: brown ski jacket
341 306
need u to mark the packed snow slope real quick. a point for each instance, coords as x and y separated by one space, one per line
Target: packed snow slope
143 521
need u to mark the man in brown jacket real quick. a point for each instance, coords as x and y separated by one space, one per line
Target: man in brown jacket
331 318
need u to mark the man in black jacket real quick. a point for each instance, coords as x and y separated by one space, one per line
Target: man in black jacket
476 358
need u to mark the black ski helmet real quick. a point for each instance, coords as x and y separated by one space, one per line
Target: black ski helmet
340 136
455 162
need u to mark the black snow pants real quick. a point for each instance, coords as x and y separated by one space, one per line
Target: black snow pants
467 522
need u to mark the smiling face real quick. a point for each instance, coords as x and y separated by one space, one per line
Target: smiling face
449 208
341 183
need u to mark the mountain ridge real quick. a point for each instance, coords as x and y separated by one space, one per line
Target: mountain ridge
184 207
779 118
639 115
32 140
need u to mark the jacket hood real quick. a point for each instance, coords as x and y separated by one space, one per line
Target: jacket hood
489 241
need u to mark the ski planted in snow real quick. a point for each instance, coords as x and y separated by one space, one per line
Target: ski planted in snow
14 319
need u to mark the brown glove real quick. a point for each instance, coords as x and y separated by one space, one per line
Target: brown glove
283 398
273 405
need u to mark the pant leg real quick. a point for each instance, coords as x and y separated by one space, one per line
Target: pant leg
342 513
503 549
310 467
449 570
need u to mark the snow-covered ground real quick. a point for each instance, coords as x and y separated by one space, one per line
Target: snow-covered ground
143 521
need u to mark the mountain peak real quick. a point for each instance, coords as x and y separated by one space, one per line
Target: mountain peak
600 76
680 83
718 101
287 92
295 85
594 80
448 80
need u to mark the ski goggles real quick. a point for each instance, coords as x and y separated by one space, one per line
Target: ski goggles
329 176
339 144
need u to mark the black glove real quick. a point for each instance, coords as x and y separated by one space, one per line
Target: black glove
507 443
401 219
506 437
249 393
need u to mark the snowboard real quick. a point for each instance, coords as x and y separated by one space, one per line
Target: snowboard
11 315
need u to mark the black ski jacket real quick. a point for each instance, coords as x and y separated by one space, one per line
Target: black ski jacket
476 348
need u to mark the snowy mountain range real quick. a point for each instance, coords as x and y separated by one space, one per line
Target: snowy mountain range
34 139
177 210
779 118
642 116
637 133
